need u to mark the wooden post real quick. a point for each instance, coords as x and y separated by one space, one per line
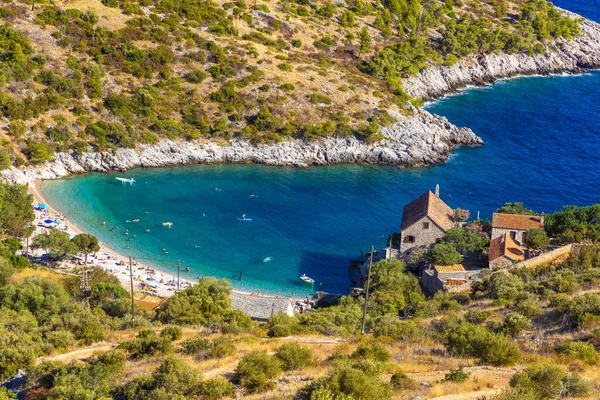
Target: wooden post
364 319
132 300
178 268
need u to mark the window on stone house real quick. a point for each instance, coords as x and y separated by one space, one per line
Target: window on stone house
513 235
425 225
409 239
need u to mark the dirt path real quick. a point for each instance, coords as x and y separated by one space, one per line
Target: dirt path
474 371
79 354
470 396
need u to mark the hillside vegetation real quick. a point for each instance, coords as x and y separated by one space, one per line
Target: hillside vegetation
520 334
86 75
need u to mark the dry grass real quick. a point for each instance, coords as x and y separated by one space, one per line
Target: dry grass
109 18
21 275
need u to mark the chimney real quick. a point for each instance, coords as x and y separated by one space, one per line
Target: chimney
542 218
437 190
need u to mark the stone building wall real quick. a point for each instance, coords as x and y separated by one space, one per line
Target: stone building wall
501 262
423 237
497 232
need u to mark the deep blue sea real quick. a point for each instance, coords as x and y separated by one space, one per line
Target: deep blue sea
542 147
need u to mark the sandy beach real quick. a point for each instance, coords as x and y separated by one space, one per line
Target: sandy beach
146 279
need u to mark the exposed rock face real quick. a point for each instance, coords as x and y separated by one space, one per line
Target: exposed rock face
567 56
422 139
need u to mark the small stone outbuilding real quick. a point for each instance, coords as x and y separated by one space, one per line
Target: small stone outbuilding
441 276
504 251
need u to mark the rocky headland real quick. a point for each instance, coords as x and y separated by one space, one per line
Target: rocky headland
422 139
566 56
418 140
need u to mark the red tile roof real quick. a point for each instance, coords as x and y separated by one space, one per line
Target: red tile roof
507 247
430 205
517 221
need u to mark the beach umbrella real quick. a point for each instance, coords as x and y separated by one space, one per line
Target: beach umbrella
42 206
48 221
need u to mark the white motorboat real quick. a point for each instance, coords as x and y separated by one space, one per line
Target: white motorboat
126 180
307 279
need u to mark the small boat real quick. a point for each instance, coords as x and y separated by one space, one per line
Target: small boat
267 259
307 279
126 180
169 224
136 220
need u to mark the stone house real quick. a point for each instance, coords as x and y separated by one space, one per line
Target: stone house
424 222
515 225
504 251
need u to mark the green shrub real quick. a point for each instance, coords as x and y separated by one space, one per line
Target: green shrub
201 304
287 87
401 381
38 152
172 333
457 375
318 98
583 351
196 347
216 388
545 381
515 323
222 348
17 129
390 325
371 351
346 382
281 325
292 356
256 370
466 339
147 344
196 76
236 321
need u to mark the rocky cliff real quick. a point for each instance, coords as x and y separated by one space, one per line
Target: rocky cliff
422 139
572 56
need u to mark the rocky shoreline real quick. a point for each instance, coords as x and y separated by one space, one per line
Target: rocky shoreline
573 56
419 140
422 139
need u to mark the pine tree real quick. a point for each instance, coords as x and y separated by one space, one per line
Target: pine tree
365 41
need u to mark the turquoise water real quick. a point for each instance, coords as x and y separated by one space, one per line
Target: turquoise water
541 147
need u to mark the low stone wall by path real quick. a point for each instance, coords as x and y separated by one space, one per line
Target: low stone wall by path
559 254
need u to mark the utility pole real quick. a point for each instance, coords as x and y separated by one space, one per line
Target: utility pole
364 319
132 300
178 269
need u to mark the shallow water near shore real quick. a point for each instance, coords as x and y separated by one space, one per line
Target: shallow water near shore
541 147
